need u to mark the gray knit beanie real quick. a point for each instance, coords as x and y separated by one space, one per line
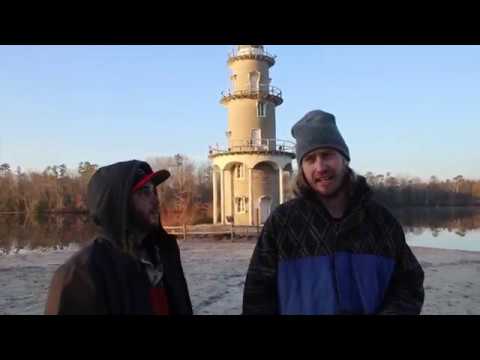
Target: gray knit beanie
317 129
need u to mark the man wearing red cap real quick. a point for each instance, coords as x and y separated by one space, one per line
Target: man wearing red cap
132 266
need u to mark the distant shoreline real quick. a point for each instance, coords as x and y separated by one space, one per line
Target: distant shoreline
52 212
85 212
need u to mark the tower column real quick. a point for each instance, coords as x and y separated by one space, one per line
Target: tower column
214 181
222 195
250 197
280 175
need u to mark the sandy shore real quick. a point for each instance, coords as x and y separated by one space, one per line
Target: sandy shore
215 274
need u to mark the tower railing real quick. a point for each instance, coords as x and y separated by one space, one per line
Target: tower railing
249 145
259 92
251 53
254 90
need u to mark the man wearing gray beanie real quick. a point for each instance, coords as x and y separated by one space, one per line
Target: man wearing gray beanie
332 249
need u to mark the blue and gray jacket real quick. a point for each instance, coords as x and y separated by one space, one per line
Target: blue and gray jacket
305 262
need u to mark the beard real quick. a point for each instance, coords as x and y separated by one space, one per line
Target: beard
147 221
341 186
330 184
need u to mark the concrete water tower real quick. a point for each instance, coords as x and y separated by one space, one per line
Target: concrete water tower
250 173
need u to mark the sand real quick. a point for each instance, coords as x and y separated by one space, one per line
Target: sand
215 272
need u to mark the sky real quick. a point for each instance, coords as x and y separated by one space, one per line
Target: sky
407 110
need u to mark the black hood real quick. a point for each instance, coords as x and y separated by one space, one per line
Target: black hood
108 197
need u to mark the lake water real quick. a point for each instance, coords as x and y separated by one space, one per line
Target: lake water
446 228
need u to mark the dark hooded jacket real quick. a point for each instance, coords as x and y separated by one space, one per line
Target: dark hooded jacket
305 262
105 277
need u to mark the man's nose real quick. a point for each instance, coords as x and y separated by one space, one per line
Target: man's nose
319 164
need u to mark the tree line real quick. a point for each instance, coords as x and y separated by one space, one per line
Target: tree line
53 190
186 198
413 192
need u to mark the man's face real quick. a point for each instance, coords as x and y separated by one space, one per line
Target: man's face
145 207
324 170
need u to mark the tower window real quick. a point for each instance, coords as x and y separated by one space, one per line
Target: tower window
261 109
241 204
239 171
254 78
233 79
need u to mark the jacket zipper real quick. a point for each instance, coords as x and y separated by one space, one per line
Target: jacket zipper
336 229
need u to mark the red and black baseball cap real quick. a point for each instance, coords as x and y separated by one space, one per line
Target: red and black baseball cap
142 177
